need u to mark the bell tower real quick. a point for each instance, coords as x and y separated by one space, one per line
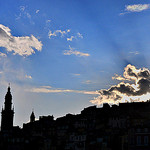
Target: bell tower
32 117
7 112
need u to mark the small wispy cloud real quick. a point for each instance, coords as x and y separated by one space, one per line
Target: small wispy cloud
134 53
57 33
71 51
28 15
71 38
47 21
51 34
78 35
3 54
37 11
45 89
19 45
76 74
87 82
46 86
22 8
135 8
24 13
28 76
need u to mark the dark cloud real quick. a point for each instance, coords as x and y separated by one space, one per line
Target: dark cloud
140 86
144 74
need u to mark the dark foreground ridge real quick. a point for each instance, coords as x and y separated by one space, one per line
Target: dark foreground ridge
122 127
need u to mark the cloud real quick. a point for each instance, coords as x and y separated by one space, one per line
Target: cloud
51 34
68 30
74 52
45 89
46 86
28 76
24 13
47 21
79 35
87 82
135 8
76 74
22 8
139 90
57 33
37 11
19 45
70 39
3 54
118 77
134 53
28 15
62 33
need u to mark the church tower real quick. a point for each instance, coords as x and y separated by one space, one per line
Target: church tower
32 117
7 112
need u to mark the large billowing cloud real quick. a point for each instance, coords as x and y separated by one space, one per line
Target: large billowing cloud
137 88
19 45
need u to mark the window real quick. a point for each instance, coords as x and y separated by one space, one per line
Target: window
145 140
146 130
132 140
138 130
138 140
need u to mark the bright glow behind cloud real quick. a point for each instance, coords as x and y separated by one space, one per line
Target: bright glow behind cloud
19 45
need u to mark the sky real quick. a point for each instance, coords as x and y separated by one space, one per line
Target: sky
62 56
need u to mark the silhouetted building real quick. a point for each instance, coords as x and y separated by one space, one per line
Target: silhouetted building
32 117
7 112
118 127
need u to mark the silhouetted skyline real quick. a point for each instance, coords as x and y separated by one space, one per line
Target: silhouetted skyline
125 127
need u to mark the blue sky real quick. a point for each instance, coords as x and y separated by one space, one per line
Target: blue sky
58 54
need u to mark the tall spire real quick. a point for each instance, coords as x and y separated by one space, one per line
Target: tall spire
7 112
32 117
8 100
